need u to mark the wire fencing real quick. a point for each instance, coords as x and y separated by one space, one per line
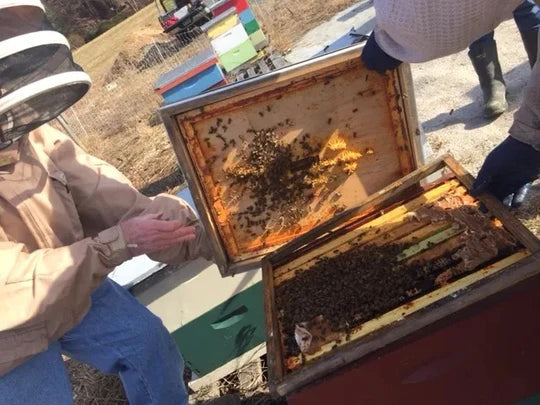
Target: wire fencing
126 94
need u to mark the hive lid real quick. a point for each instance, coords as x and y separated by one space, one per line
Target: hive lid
186 70
324 113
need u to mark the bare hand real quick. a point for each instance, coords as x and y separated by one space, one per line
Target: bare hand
148 234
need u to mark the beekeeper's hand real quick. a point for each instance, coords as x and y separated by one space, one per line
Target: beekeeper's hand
149 234
376 59
507 172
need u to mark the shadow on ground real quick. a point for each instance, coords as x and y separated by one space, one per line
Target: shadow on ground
470 115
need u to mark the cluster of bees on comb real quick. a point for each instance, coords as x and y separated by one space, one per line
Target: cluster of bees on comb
387 264
280 177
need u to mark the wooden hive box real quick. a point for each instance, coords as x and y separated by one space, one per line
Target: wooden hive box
335 133
413 253
221 24
193 77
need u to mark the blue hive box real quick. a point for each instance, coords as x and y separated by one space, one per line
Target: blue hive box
193 77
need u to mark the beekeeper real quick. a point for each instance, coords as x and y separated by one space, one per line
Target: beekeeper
66 220
421 30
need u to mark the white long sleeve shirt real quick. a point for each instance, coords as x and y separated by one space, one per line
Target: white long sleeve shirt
421 30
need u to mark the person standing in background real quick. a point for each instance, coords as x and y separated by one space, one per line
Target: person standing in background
485 59
417 31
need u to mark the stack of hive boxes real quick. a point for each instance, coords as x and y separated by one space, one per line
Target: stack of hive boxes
235 34
230 40
247 17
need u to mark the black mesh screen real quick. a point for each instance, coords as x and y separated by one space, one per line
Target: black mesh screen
15 21
34 64
38 110
27 67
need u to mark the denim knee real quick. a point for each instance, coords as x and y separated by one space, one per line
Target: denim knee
143 330
149 329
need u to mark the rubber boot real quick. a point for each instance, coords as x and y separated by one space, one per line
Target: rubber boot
530 41
485 60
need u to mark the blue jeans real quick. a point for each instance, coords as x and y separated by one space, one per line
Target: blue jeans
117 336
526 16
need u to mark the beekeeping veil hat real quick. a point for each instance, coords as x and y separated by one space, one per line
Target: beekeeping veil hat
38 77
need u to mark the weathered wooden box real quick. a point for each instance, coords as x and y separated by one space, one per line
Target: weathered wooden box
328 133
411 254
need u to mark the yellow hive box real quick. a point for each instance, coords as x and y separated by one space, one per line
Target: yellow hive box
222 24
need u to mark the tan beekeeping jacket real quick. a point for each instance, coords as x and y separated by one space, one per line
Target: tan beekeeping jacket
59 210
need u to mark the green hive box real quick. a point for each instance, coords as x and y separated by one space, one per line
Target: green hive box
252 26
218 323
223 333
238 56
258 39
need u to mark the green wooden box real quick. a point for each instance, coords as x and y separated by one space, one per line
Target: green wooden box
238 56
258 39
252 26
223 333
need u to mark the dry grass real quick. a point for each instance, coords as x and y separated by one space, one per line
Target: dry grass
98 56
91 387
119 113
